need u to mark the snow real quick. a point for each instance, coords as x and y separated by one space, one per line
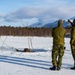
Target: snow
36 62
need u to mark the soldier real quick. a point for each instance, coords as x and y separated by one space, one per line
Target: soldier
58 34
72 41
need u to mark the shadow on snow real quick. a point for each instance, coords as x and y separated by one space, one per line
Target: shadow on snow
26 62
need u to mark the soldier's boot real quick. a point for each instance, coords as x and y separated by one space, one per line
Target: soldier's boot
73 68
58 68
53 68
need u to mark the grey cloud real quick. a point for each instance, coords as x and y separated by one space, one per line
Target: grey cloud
25 13
43 14
2 15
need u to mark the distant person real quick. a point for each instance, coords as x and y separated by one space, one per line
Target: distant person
58 34
72 41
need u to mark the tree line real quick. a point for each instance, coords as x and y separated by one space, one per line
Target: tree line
25 31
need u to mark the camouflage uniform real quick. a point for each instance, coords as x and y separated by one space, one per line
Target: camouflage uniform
72 42
58 34
58 50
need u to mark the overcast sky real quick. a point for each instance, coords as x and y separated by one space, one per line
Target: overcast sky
26 12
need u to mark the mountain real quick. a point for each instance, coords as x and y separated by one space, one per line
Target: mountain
38 24
52 25
72 18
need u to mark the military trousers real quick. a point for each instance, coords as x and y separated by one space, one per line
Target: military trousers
57 54
73 51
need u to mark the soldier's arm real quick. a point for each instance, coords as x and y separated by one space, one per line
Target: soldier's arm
70 22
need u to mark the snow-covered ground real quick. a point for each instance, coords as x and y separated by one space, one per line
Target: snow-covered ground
36 62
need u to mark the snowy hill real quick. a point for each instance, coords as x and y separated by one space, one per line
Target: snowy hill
37 62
